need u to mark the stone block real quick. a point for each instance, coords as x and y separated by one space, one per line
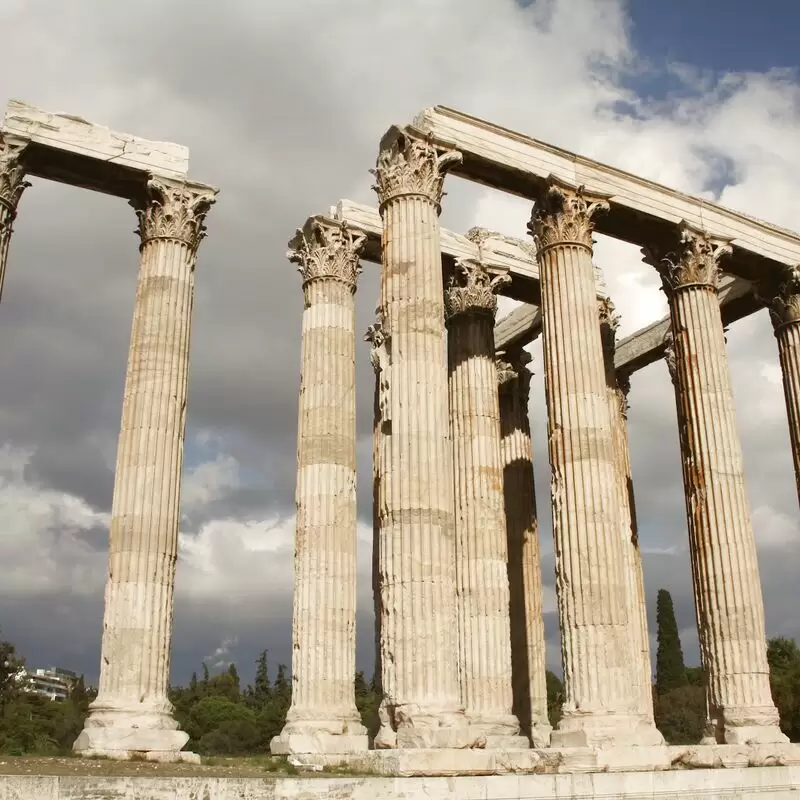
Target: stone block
320 742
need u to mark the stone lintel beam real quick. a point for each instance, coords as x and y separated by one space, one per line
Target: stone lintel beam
646 346
640 211
737 300
66 148
501 255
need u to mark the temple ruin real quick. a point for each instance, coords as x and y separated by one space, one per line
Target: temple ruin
460 646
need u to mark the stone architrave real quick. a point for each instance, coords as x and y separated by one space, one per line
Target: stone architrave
730 610
323 717
594 620
528 649
783 300
132 714
617 388
12 184
481 547
419 639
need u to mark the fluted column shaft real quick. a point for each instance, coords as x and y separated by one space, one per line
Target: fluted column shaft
323 715
419 642
132 712
528 649
590 577
617 388
481 547
12 184
640 636
784 305
730 609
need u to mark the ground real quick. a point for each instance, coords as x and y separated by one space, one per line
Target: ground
212 767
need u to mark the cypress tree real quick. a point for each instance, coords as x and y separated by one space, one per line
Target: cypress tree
670 668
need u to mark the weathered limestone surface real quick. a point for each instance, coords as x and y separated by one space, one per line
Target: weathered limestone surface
481 548
590 575
12 184
378 358
639 209
735 783
783 301
617 387
730 611
499 253
323 715
132 713
419 641
73 150
528 651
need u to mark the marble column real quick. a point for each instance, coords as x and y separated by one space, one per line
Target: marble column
323 717
132 714
617 388
12 184
376 337
730 608
528 650
419 640
590 575
782 298
481 547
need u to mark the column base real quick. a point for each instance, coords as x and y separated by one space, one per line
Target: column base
752 725
497 732
410 727
305 733
604 731
540 734
126 733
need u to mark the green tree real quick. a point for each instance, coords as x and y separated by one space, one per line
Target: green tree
261 687
555 697
783 656
367 702
670 668
681 714
10 665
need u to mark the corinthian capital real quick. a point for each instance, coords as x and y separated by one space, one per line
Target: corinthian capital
408 165
472 290
609 324
693 260
174 210
378 336
563 214
327 249
513 373
12 173
781 295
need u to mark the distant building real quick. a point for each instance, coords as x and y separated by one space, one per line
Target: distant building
54 683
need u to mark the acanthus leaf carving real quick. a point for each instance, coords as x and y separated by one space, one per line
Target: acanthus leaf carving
380 355
563 214
408 165
472 289
692 261
781 295
12 173
174 210
512 371
670 357
609 324
327 249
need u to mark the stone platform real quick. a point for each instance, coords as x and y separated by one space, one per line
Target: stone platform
755 783
572 760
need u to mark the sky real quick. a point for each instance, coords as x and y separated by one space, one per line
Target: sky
282 106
